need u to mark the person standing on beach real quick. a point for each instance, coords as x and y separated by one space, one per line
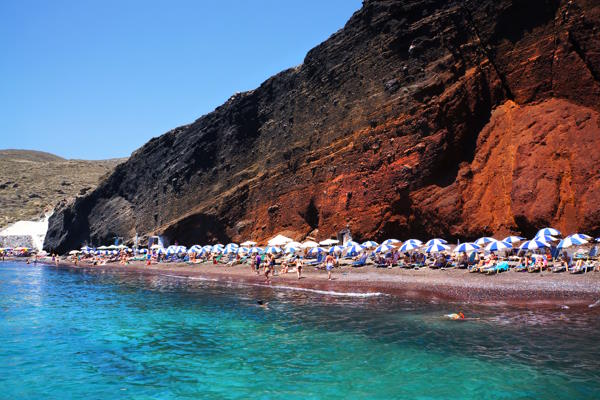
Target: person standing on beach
268 266
299 267
257 260
329 262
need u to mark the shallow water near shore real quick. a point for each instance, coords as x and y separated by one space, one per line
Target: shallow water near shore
110 334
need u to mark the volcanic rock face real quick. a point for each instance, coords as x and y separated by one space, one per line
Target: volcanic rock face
418 118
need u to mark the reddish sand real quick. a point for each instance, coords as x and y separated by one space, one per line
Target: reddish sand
515 288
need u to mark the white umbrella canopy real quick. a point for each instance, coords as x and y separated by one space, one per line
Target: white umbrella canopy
309 244
279 240
153 247
292 244
328 242
248 243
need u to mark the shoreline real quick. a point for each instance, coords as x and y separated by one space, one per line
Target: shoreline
452 285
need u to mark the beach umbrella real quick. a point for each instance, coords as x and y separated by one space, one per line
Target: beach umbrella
86 248
104 247
369 244
408 246
466 247
309 244
355 249
230 250
328 242
296 245
570 241
546 238
73 252
498 245
598 239
533 244
290 249
142 251
391 242
513 239
180 249
581 236
279 240
195 249
335 249
316 250
384 248
431 242
436 248
248 243
217 248
272 250
484 240
254 250
414 241
207 247
243 250
231 246
351 243
547 232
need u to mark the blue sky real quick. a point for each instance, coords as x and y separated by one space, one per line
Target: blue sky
97 79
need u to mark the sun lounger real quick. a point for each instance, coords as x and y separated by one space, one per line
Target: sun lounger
495 269
316 262
360 262
581 269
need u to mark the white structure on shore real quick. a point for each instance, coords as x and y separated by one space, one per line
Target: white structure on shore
29 234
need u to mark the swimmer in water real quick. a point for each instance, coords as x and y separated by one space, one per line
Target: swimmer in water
262 304
456 316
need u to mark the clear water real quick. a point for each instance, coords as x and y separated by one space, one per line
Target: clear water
94 335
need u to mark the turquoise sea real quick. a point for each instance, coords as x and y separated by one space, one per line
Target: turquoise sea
106 335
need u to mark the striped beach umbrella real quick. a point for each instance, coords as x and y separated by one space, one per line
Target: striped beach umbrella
547 232
466 247
316 251
408 246
290 249
581 236
273 250
328 242
309 244
570 241
142 251
369 244
498 245
351 243
217 248
244 250
384 248
230 250
431 242
546 238
513 239
248 243
436 248
533 244
354 250
415 241
254 250
195 249
391 242
335 249
161 250
482 241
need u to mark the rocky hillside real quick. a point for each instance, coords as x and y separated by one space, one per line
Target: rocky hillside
418 118
34 182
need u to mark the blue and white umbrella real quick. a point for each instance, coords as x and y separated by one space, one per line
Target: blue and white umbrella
369 244
217 248
254 250
335 249
466 247
408 246
207 247
498 245
548 232
570 241
230 250
273 250
86 248
513 239
415 241
384 248
351 243
533 244
291 249
142 251
436 248
195 249
243 250
581 236
546 238
316 251
161 250
431 242
484 240
391 242
231 246
355 249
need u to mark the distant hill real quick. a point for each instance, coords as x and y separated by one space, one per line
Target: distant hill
33 182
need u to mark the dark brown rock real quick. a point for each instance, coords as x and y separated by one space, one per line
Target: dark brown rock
417 118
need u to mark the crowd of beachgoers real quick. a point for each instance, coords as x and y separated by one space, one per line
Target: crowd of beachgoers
547 251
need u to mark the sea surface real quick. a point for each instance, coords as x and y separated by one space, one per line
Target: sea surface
106 335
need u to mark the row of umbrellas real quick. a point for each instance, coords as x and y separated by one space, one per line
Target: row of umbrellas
281 244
